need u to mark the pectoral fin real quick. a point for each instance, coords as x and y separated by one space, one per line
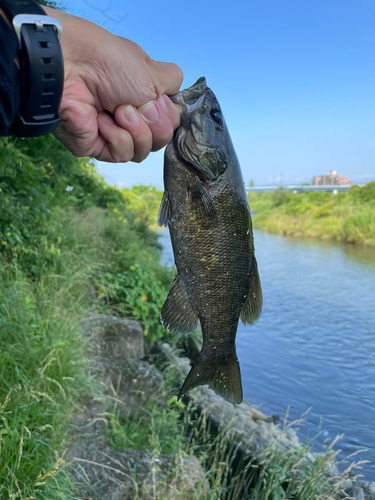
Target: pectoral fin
202 201
252 308
164 211
177 315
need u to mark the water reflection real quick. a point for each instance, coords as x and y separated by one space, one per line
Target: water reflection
358 253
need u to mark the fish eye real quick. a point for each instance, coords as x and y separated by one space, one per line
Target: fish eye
216 116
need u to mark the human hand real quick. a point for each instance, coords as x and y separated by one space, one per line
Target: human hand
114 106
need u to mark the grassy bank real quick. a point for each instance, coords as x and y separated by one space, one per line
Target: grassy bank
101 262
348 216
70 243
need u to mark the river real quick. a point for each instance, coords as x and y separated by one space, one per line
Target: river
314 345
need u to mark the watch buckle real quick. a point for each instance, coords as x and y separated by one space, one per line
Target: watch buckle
38 21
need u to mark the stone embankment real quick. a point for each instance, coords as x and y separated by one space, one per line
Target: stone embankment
128 381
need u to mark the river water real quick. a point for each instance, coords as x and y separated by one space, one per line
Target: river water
314 345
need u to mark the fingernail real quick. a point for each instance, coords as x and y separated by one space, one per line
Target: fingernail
150 112
107 119
131 115
162 103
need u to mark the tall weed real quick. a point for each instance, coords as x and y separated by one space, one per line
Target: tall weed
41 378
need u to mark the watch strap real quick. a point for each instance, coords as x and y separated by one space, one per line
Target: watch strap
41 68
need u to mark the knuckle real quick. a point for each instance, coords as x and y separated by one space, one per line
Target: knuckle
140 158
122 149
122 156
166 135
160 143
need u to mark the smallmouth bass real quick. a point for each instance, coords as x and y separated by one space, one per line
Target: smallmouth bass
206 209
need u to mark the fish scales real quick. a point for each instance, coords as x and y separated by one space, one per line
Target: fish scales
206 209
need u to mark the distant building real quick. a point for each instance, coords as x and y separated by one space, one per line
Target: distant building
331 179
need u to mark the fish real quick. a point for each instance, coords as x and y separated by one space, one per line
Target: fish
205 207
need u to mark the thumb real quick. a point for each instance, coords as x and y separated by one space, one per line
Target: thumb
169 77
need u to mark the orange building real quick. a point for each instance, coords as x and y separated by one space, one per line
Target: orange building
331 179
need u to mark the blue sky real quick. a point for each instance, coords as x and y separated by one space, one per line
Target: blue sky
295 79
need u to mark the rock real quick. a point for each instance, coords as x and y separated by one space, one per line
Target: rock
355 493
183 365
132 383
118 338
369 489
253 430
178 476
105 474
128 382
345 483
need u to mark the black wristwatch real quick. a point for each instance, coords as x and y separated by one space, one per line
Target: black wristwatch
41 68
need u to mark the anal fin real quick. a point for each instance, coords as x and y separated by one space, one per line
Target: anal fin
202 201
221 375
164 216
177 314
252 307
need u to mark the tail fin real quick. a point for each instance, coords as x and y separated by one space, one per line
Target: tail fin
222 376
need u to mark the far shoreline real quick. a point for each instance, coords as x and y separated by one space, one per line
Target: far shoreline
346 217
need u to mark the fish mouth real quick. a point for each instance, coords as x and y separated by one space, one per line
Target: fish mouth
191 98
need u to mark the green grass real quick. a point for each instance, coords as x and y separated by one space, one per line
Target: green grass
42 376
345 217
44 294
151 428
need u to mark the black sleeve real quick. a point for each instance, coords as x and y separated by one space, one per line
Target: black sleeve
9 77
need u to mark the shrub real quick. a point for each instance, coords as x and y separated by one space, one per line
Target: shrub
323 211
280 197
138 293
365 194
298 208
